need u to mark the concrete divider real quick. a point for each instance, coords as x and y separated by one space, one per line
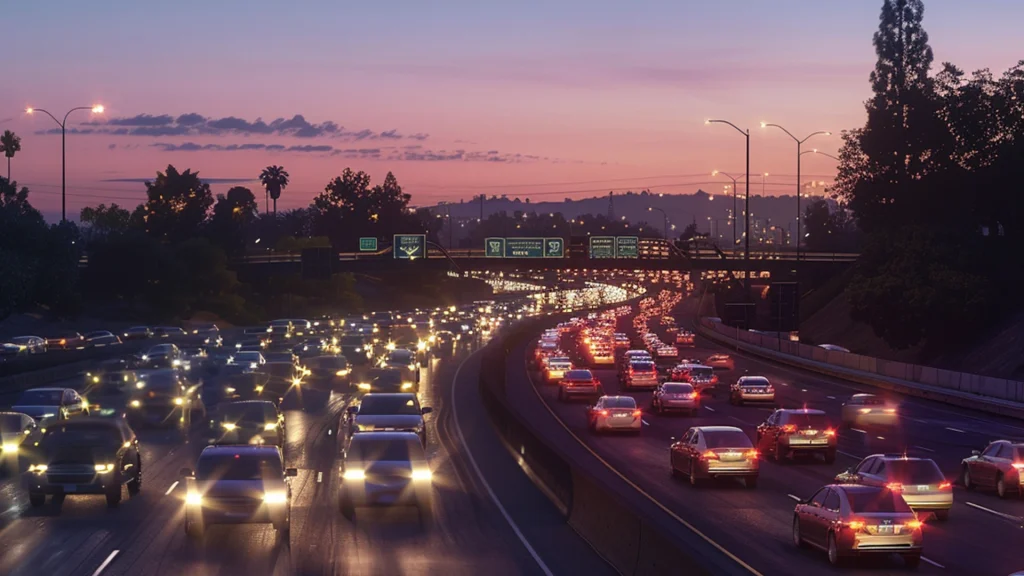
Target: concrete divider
634 534
993 395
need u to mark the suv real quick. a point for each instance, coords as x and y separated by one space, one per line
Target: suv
918 480
788 432
639 374
238 485
386 412
247 422
385 468
85 456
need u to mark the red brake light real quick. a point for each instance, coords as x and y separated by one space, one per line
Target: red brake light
913 524
1018 466
945 486
636 413
709 455
855 524
894 486
830 432
752 454
604 412
789 428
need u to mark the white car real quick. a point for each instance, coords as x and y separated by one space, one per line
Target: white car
611 413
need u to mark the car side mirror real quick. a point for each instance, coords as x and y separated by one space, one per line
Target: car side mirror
426 410
815 504
291 472
849 471
976 452
352 410
185 472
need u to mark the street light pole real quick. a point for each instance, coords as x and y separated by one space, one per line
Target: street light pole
734 186
746 251
664 216
98 109
799 144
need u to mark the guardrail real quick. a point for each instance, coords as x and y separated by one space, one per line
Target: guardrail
634 542
986 393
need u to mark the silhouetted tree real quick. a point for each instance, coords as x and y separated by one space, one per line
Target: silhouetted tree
177 205
233 216
10 144
104 220
275 180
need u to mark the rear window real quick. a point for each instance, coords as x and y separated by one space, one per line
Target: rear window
239 467
620 402
805 420
755 382
642 366
579 375
872 401
879 500
914 471
249 412
376 405
376 449
702 372
677 388
727 439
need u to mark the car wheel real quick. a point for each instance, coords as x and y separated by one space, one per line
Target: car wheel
833 551
751 482
798 539
1000 486
36 499
942 515
136 483
968 483
830 456
912 561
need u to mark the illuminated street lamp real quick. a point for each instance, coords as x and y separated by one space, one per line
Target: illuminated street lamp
799 143
746 251
97 109
664 214
735 237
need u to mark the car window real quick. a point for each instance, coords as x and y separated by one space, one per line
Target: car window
620 402
674 388
992 450
40 398
727 439
808 420
914 472
865 466
819 497
1005 451
239 467
832 501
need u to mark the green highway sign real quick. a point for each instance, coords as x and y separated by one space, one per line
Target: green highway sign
410 246
602 247
554 248
368 244
627 247
494 247
524 247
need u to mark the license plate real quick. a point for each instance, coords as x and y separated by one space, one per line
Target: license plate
809 432
731 456
70 488
885 529
819 441
924 488
620 415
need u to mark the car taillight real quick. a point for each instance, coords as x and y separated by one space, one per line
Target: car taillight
636 413
865 410
709 455
689 395
894 486
752 454
770 390
890 410
913 524
604 412
790 428
830 432
855 524
945 486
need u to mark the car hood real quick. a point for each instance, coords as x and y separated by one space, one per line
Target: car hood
37 412
237 488
397 421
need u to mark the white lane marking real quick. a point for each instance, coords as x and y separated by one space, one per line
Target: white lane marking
783 383
956 430
329 431
881 437
319 477
830 397
991 511
932 562
106 562
803 389
923 448
171 489
858 430
710 408
854 456
458 428
646 423
795 497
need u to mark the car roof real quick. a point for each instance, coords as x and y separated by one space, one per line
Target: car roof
46 389
389 395
719 429
388 435
863 396
856 488
618 397
801 411
248 449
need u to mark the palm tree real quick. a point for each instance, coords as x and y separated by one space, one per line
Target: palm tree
10 143
274 179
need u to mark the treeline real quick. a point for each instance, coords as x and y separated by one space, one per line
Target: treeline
934 180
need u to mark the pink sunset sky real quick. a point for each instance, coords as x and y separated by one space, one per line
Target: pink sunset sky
529 99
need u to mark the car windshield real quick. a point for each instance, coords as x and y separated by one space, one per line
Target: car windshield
914 471
727 439
10 423
871 400
620 402
239 467
378 405
79 434
579 375
701 372
677 388
808 420
247 412
400 357
39 398
247 357
867 501
376 449
160 382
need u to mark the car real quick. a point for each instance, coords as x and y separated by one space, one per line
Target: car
85 456
853 520
163 356
238 485
869 410
404 360
998 467
639 374
788 432
386 380
751 389
101 339
702 377
579 382
19 435
301 327
280 329
675 396
65 340
715 452
310 347
31 344
329 368
630 355
385 468
720 362
172 332
252 360
685 338
556 368
357 348
247 422
614 413
51 404
282 376
111 376
388 412
445 342
919 480
602 355
162 397
137 333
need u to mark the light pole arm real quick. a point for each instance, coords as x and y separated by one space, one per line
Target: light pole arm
818 133
737 128
72 110
47 112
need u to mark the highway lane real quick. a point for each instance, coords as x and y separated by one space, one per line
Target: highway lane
145 534
756 524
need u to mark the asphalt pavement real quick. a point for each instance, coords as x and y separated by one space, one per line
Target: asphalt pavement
980 537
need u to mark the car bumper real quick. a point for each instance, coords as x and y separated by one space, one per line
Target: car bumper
857 544
872 420
215 512
372 492
268 438
755 397
610 423
679 404
809 445
935 501
653 383
725 469
100 484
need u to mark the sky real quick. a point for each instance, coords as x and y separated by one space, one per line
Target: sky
544 100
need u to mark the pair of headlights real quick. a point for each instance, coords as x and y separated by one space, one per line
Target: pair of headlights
99 468
196 499
420 474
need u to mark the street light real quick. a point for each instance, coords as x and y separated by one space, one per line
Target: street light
746 252
820 153
799 143
97 109
735 238
664 214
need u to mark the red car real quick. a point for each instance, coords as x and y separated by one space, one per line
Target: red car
684 338
578 383
998 467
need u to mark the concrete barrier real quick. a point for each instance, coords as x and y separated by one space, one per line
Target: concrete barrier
993 395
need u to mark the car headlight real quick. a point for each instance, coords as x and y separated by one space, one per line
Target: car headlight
296 381
135 403
344 372
229 390
275 497
390 346
140 384
421 346
194 499
364 385
354 475
96 379
270 426
37 468
104 468
259 388
422 474
176 362
358 349
229 425
269 330
179 401
406 385
9 448
145 357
